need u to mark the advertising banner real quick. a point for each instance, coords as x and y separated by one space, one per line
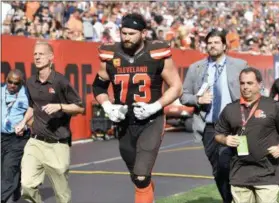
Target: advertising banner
79 62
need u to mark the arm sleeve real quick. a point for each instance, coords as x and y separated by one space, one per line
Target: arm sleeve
274 89
277 118
30 101
188 96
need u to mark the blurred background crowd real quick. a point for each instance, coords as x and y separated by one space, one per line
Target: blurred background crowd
250 26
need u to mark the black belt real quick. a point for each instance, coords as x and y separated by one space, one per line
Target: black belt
50 140
210 124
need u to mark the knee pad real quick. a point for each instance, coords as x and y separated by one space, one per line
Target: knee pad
141 181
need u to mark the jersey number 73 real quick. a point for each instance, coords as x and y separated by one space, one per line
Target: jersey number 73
123 80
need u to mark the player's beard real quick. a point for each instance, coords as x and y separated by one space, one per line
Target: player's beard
132 48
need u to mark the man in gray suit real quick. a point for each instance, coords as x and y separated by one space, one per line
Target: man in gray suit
211 84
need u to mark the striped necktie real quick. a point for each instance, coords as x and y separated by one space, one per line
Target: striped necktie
216 93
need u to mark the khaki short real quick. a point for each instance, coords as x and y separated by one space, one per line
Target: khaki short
255 194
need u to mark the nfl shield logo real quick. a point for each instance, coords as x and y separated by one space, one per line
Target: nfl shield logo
116 62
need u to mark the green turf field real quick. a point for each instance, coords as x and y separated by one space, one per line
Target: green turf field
204 194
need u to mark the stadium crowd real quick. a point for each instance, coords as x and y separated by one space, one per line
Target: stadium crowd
251 27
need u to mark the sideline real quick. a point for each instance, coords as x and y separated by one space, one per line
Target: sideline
88 140
74 166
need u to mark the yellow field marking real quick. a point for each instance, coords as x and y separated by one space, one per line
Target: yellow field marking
174 175
181 149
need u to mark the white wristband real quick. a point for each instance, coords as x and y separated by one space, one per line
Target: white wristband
106 105
157 106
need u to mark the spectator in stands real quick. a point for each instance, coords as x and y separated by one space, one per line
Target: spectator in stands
20 32
233 39
54 25
57 10
66 34
74 24
6 28
83 6
252 26
161 35
78 36
112 28
18 14
31 9
184 37
45 15
88 28
7 11
45 30
151 33
71 7
37 20
38 28
106 38
99 28
30 30
53 35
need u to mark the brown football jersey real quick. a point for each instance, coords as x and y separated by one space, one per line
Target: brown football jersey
135 78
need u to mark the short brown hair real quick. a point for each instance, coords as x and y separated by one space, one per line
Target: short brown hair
257 73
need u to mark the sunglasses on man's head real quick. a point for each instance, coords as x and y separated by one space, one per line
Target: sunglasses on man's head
14 83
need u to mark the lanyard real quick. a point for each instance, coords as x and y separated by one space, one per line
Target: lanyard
220 70
245 121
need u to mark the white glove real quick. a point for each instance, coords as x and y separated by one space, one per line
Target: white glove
115 112
143 110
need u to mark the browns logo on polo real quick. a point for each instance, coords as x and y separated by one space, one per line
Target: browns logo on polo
261 128
259 114
51 90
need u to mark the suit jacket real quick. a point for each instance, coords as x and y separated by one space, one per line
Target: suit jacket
193 82
274 89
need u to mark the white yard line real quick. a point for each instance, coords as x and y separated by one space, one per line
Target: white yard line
119 158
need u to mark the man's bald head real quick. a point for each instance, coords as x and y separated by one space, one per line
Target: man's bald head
46 44
14 81
16 73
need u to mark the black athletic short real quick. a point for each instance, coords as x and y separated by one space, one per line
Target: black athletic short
139 144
